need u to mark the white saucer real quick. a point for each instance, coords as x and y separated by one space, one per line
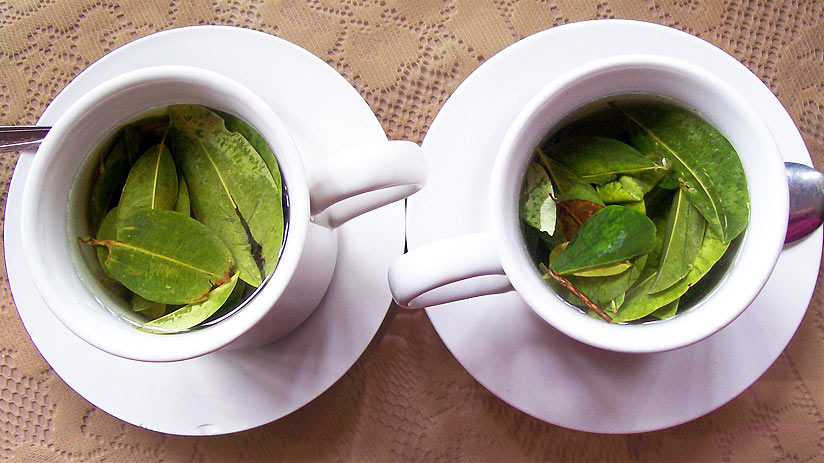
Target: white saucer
508 348
232 391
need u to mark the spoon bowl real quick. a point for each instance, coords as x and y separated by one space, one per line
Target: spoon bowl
806 200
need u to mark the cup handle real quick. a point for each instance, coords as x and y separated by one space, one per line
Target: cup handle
364 178
448 270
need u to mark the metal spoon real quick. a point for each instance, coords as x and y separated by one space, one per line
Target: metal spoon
806 200
806 184
17 138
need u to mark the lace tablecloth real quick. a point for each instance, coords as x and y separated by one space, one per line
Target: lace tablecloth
407 398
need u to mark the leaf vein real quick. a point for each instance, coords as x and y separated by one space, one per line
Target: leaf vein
115 243
710 199
217 171
156 176
620 171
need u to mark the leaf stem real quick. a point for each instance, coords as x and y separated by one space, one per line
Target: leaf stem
566 284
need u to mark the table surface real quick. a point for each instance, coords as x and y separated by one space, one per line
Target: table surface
407 398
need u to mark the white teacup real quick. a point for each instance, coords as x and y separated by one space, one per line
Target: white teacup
321 197
468 266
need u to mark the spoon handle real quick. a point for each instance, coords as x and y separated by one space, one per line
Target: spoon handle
16 138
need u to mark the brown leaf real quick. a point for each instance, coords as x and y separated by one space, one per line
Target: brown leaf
573 213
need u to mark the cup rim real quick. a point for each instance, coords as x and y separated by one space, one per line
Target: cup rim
759 249
56 290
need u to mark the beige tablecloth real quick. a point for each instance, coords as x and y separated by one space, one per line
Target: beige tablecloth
407 398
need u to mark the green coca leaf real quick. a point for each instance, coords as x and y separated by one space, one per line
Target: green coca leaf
237 296
167 257
613 234
682 239
706 165
604 270
193 314
568 185
582 192
107 231
600 290
659 217
667 311
639 302
149 309
231 189
637 206
658 202
155 311
152 182
599 271
624 190
235 124
604 289
600 160
143 133
108 180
